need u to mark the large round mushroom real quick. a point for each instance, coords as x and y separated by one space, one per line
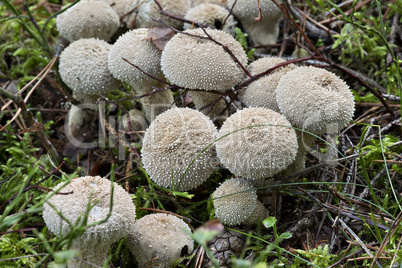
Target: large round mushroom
94 243
315 100
256 143
172 142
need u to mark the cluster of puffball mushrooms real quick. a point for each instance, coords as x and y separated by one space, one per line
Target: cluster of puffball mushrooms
183 146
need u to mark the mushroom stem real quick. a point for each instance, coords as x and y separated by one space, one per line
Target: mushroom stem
156 103
214 110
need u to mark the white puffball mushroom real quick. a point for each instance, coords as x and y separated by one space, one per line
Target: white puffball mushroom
158 240
261 32
211 16
83 68
94 243
256 152
216 112
315 100
172 141
140 51
88 19
195 63
147 10
262 92
234 201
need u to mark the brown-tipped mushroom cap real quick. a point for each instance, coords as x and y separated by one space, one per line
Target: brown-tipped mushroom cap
234 201
94 243
196 63
262 92
88 19
140 51
212 16
148 10
159 240
172 141
256 152
315 100
83 67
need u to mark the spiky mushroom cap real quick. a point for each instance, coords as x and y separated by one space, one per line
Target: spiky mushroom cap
234 201
159 240
259 214
88 19
94 243
262 92
173 140
256 152
212 16
196 63
140 51
148 10
83 67
315 100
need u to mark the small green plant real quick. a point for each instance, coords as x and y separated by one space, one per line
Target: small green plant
271 222
320 256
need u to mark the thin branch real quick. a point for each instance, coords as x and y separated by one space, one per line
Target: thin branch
147 74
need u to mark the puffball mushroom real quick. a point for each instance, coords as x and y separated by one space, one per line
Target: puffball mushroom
147 10
262 92
216 112
94 243
159 240
195 63
140 51
261 32
172 141
83 68
259 214
234 201
315 100
88 19
211 16
256 152
195 3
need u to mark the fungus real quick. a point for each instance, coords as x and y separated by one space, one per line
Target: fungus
83 68
261 32
212 16
195 63
88 19
262 92
315 100
94 243
135 123
159 240
256 152
147 10
234 201
173 140
140 51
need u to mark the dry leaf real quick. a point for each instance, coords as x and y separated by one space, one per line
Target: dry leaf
159 36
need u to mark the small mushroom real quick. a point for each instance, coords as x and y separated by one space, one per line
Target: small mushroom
83 68
315 100
234 201
135 47
264 31
211 16
88 19
262 92
172 142
259 214
145 12
256 152
134 121
94 243
158 240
